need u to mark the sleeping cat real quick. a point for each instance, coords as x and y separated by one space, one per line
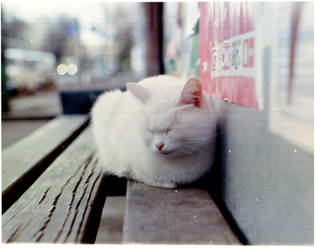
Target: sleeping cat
161 131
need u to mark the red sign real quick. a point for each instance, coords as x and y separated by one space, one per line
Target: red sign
227 44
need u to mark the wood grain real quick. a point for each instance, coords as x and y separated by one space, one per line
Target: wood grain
24 161
188 215
58 207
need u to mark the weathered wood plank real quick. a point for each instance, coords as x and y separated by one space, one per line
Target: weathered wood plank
110 229
24 161
187 215
62 205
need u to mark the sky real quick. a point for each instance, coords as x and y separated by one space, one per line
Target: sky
86 13
31 11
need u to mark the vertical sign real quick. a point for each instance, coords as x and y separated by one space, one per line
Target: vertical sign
227 50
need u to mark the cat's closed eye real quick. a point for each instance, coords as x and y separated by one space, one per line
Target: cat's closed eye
165 131
150 131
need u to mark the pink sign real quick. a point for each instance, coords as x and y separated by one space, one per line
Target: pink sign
227 44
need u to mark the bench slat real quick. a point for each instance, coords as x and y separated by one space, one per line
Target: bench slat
60 205
110 229
187 215
25 160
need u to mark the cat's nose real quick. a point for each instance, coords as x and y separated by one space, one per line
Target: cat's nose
159 146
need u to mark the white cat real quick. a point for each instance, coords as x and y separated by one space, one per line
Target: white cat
161 131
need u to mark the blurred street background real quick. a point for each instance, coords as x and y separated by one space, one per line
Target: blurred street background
48 47
53 52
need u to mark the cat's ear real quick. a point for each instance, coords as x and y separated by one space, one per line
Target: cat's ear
192 93
138 91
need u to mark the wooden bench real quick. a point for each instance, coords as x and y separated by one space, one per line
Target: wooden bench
54 190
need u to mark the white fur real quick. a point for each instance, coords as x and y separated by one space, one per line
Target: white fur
128 125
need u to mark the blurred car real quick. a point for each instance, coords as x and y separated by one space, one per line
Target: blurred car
29 71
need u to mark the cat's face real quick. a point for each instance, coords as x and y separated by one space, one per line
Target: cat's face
178 127
177 133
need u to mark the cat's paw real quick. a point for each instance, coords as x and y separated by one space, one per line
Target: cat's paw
161 184
167 185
